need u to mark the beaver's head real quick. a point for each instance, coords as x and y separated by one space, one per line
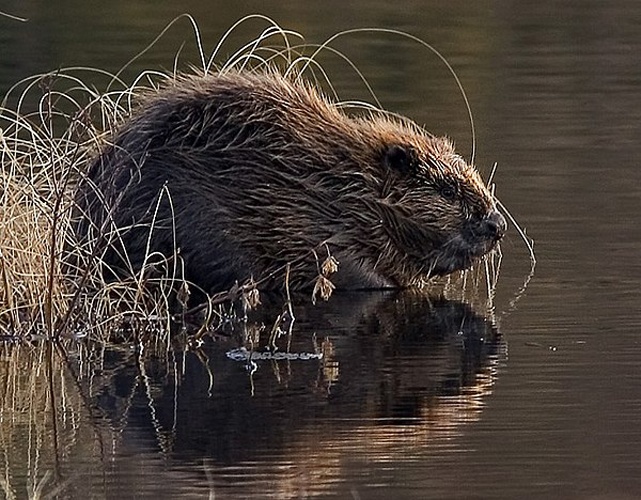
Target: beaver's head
434 208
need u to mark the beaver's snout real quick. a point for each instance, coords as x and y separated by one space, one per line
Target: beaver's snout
484 233
494 226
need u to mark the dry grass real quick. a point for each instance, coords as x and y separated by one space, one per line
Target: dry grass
46 279
34 215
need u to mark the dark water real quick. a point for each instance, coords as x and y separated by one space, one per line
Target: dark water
413 398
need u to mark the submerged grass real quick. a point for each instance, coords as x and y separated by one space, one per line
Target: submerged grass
51 126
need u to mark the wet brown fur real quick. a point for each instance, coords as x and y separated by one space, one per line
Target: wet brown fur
263 169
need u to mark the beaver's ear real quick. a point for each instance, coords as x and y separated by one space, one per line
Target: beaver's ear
402 158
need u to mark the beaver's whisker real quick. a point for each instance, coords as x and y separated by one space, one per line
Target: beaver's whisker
529 243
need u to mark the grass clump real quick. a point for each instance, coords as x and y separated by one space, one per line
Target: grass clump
34 212
48 281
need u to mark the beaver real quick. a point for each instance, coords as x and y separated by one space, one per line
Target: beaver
245 172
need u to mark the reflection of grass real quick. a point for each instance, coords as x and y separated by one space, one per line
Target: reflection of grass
39 411
62 413
51 283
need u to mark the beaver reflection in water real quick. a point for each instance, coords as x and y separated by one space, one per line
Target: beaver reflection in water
255 170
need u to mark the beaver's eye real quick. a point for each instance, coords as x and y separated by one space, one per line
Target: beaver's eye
448 192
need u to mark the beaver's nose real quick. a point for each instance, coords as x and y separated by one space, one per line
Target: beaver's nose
494 225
